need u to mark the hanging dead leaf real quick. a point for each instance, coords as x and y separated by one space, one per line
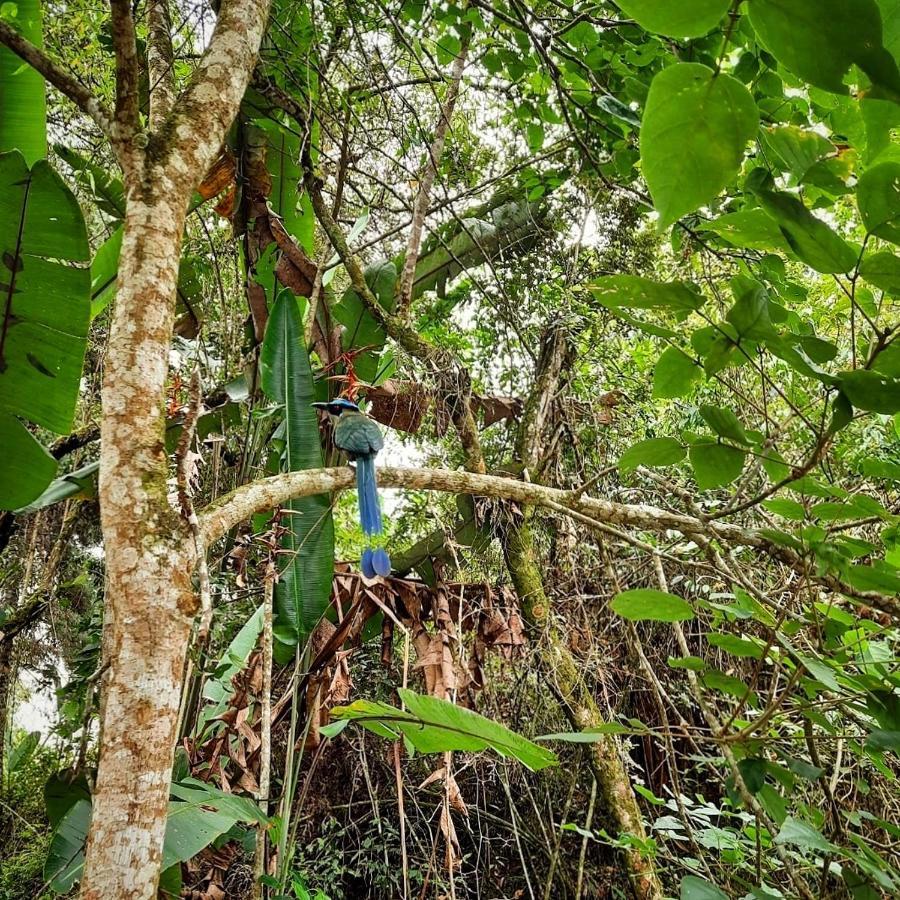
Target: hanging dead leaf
220 177
495 409
399 404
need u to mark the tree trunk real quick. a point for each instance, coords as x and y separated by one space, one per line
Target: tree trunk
559 665
149 603
150 553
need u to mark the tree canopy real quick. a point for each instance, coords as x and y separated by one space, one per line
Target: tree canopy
619 282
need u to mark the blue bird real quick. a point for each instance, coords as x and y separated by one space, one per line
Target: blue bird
360 438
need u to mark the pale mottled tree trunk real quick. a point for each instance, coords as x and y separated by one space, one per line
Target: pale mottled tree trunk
150 556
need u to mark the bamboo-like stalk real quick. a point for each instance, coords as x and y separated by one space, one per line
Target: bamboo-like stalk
265 717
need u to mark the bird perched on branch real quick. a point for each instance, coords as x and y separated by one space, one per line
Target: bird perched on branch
360 438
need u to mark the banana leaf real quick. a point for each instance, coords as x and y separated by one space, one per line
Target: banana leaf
107 191
506 223
23 100
105 270
307 563
45 297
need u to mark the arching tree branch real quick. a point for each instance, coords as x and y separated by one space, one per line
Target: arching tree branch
270 493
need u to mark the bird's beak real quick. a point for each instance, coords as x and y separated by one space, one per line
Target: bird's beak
319 405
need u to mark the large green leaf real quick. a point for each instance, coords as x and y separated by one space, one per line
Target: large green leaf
694 888
44 293
65 858
751 228
878 197
649 605
635 292
433 725
304 586
714 464
871 391
691 18
724 423
107 191
652 452
817 244
105 271
696 126
796 149
361 332
23 101
883 270
820 40
199 815
674 374
234 659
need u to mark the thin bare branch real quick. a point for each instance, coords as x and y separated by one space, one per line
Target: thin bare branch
426 181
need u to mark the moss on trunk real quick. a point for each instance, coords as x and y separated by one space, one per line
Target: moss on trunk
606 760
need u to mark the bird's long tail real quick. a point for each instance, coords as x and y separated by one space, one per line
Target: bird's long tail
375 561
367 490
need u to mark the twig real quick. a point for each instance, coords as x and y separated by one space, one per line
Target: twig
426 181
265 748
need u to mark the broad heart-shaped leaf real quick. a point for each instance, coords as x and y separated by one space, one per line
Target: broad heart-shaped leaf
883 270
23 102
648 605
814 242
652 452
871 391
674 374
724 423
433 725
695 128
819 40
304 586
691 18
714 464
796 149
44 306
694 888
878 198
635 292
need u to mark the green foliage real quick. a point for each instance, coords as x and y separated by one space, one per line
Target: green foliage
878 196
652 452
432 725
820 41
691 19
196 817
304 585
648 605
23 103
44 327
695 128
675 374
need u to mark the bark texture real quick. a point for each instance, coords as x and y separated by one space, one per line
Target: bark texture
150 602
